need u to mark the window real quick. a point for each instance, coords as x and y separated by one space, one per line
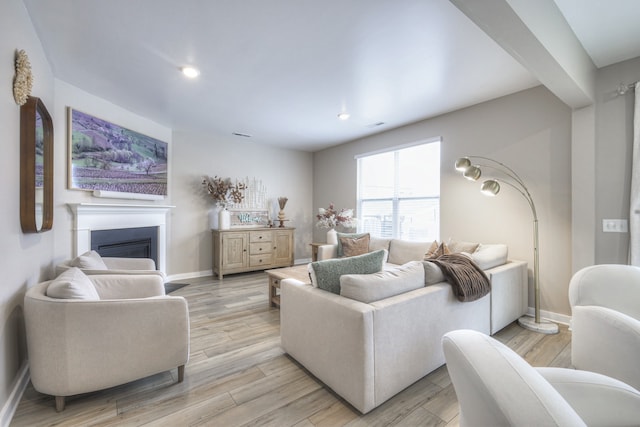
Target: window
399 192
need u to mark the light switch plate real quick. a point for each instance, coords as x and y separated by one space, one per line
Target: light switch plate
615 225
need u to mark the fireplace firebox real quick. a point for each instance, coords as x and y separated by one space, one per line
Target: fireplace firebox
139 242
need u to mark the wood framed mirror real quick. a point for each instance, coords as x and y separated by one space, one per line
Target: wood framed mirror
36 167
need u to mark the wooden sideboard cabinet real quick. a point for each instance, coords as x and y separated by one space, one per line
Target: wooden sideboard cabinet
238 250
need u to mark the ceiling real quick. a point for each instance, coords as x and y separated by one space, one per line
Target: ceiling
281 70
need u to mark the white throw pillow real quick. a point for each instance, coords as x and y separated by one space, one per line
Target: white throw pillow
72 284
90 261
384 284
489 256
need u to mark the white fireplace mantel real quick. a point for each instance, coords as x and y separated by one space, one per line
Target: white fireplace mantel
102 216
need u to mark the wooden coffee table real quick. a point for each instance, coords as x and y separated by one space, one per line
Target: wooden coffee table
298 272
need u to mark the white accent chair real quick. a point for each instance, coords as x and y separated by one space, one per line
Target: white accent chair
605 305
496 387
129 330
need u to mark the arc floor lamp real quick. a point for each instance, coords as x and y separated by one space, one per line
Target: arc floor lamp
491 187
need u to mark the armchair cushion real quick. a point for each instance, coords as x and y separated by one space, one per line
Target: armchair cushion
72 284
383 284
90 260
326 274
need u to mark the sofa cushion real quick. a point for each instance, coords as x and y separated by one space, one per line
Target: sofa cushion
89 260
384 284
403 251
352 246
489 256
432 273
326 274
347 235
376 243
72 284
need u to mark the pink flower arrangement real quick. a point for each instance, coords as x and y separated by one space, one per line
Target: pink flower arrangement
330 218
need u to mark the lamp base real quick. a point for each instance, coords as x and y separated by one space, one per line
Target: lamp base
543 327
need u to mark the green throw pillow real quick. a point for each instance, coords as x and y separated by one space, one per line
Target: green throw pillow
327 273
350 235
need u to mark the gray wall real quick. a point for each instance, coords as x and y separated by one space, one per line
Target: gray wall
614 141
285 173
529 131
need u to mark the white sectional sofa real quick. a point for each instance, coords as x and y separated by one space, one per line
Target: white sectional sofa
368 352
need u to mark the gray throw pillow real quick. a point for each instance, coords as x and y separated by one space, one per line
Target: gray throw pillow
72 284
326 274
384 284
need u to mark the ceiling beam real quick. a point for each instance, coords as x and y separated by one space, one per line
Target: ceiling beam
537 35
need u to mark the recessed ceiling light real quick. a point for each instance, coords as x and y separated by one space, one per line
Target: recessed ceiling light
344 116
190 72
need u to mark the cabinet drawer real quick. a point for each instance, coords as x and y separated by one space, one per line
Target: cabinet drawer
257 260
259 236
260 248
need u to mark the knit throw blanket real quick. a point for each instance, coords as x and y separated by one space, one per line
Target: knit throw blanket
468 281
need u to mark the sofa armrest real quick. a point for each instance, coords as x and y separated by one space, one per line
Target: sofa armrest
599 400
327 252
606 341
509 293
77 346
332 337
127 286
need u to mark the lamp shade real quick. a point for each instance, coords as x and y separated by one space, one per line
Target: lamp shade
490 187
472 173
462 164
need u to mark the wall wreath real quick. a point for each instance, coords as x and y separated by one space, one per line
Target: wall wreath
23 80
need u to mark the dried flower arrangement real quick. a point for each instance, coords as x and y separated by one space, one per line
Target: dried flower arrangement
330 218
223 191
23 80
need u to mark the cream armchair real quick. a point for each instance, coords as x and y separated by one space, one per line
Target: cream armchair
605 305
128 330
496 387
92 263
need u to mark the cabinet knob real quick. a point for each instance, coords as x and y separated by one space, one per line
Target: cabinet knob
260 237
260 249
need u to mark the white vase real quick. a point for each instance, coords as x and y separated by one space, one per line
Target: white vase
213 218
224 219
332 237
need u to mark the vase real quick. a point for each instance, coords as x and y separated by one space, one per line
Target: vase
213 218
332 237
224 219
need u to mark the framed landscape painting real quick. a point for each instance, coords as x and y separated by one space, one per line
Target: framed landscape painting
106 157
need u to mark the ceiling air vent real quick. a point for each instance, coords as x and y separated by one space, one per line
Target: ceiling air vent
244 135
373 125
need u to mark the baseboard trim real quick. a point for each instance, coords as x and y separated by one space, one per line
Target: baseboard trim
183 276
9 408
549 315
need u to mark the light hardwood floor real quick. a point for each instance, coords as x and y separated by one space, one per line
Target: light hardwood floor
239 376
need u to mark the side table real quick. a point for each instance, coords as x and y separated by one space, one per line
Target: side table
314 250
299 272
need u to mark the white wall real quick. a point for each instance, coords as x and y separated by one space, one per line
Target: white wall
284 172
529 131
24 258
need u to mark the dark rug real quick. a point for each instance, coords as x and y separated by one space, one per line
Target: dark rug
172 287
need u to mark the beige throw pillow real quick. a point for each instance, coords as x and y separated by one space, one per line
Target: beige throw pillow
442 249
89 261
352 246
468 247
72 284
